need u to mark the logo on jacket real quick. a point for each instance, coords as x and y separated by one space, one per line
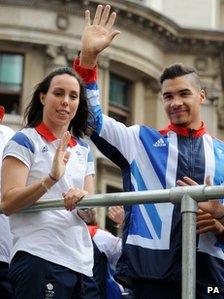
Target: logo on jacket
49 291
45 149
50 286
80 156
78 153
159 143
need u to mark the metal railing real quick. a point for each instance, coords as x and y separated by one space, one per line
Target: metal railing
188 197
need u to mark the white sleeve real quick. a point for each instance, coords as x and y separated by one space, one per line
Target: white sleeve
123 138
109 245
110 136
20 147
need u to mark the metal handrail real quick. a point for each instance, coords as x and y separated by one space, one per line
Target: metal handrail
188 196
174 195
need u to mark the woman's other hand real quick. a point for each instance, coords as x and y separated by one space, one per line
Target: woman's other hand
72 197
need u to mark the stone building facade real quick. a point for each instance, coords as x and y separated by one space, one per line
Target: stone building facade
37 35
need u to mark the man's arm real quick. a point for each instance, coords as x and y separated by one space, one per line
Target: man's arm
113 138
97 36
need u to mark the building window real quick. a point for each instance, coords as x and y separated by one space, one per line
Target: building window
119 98
11 79
111 226
140 1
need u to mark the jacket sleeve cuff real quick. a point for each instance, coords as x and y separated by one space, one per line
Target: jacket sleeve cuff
87 75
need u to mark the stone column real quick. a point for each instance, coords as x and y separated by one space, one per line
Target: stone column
154 114
138 107
103 81
59 56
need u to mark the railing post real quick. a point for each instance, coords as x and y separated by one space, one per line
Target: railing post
188 210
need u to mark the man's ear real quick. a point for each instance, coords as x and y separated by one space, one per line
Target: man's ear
202 96
42 98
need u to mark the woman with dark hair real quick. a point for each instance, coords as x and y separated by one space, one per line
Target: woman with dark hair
52 250
34 111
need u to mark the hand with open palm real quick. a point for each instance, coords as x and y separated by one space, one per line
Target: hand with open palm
61 157
98 35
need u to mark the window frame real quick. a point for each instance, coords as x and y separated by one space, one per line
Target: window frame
117 109
8 92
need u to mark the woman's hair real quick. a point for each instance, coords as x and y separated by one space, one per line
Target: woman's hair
34 111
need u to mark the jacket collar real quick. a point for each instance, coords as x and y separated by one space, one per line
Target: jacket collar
45 132
186 131
2 112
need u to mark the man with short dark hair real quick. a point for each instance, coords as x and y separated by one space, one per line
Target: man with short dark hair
151 159
178 70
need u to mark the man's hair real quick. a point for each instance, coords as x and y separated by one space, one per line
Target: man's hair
178 70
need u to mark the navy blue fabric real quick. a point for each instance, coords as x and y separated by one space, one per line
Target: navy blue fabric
89 288
144 289
36 278
5 285
112 152
103 275
191 159
100 271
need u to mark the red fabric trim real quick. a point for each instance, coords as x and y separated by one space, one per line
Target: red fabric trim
72 142
92 230
87 75
2 112
45 132
185 131
164 131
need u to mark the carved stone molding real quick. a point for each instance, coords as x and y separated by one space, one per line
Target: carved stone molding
51 51
71 54
62 21
213 95
153 86
220 113
201 64
140 20
59 55
104 62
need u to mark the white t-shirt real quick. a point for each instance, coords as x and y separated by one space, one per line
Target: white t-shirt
58 236
5 234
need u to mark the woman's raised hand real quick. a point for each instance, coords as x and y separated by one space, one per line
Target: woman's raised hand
61 158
